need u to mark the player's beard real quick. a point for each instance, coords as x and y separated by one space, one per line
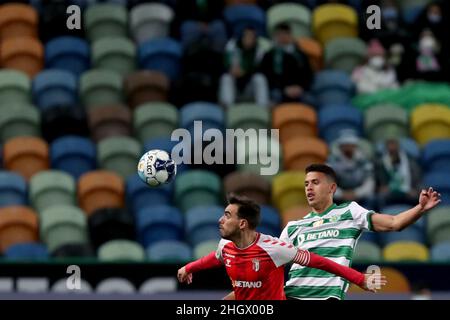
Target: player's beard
230 235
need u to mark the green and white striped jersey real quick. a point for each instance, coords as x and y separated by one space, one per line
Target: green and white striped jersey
332 234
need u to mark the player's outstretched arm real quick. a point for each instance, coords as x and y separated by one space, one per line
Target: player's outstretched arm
428 199
207 262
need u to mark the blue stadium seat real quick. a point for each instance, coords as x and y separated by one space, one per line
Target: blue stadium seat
408 145
270 221
202 224
332 87
211 115
440 181
333 120
68 53
408 234
27 251
54 88
158 223
163 54
141 195
410 14
73 154
436 156
370 237
165 143
441 252
240 16
169 251
13 189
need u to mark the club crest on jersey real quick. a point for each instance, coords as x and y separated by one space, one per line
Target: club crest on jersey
227 262
334 218
318 223
255 265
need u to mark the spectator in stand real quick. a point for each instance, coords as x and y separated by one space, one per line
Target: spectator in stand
429 62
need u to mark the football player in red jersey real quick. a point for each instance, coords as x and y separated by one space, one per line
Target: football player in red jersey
255 261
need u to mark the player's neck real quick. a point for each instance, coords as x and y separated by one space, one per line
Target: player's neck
246 239
321 207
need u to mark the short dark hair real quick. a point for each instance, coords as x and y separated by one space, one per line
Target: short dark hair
319 167
247 209
283 26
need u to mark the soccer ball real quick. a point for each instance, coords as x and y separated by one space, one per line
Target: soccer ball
156 167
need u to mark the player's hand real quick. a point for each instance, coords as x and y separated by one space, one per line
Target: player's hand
184 276
429 199
373 282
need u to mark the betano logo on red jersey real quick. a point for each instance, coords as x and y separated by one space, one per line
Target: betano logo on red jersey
247 284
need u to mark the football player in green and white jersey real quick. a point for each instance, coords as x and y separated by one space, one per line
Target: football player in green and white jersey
333 230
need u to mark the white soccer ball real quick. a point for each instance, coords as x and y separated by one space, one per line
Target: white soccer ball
156 167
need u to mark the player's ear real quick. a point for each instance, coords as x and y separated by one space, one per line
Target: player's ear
243 223
333 187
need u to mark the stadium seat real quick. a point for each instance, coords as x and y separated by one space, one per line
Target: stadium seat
440 181
18 224
367 252
139 194
50 188
296 15
63 224
386 121
202 224
54 88
163 55
146 86
294 213
26 155
411 234
19 121
15 88
205 247
241 16
109 121
121 251
345 54
334 120
440 252
100 189
397 283
18 20
110 224
13 189
115 54
334 20
211 115
436 156
438 226
68 53
105 20
23 54
270 221
150 21
300 152
313 49
61 121
294 121
169 251
370 237
74 250
31 251
288 190
249 184
99 87
405 251
119 154
197 188
407 144
73 154
332 87
159 223
247 116
430 122
154 120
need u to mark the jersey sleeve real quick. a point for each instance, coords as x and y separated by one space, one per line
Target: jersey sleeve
281 252
284 236
361 216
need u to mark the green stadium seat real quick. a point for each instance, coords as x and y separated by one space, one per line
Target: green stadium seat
100 87
386 121
438 225
105 20
19 121
296 15
52 188
204 248
366 251
15 88
121 250
119 154
154 120
61 225
246 116
197 188
116 54
344 54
